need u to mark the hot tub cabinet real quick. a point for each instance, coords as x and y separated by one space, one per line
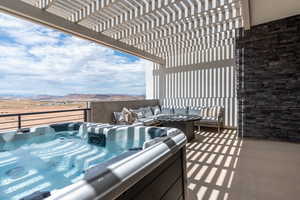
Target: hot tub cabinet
166 182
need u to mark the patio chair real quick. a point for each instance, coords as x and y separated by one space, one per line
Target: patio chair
211 117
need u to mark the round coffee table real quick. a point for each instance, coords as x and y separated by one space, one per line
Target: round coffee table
183 122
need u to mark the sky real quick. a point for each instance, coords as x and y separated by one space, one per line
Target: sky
37 60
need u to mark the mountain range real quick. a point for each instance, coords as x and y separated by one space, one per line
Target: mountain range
74 97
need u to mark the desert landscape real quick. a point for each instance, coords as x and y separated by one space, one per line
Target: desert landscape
43 103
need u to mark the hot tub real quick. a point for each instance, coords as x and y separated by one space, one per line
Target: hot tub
93 161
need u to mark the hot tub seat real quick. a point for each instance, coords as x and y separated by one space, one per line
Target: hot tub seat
161 147
127 136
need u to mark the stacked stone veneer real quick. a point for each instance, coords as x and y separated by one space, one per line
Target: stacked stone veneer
268 58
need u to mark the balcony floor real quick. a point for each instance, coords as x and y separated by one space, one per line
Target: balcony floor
223 166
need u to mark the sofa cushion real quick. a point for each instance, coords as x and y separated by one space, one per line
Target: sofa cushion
167 111
181 111
129 117
194 111
140 113
147 111
118 117
156 110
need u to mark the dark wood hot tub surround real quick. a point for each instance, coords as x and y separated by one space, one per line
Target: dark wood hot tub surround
167 182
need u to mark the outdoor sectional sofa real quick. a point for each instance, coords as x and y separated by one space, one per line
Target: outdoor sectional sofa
210 116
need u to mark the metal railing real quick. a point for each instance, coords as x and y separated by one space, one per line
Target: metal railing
17 121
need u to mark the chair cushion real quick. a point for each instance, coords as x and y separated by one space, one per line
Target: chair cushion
214 111
207 120
203 112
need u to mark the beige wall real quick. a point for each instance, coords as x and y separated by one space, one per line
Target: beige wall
102 111
263 11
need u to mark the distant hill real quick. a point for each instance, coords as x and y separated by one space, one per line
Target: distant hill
87 96
98 97
45 97
76 97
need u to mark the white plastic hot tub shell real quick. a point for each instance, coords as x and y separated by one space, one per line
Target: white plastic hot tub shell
119 176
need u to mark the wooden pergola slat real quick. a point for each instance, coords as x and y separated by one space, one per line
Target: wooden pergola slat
35 14
149 28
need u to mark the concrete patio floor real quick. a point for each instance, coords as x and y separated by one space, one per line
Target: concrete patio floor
223 166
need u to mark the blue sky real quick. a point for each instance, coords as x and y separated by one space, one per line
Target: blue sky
38 60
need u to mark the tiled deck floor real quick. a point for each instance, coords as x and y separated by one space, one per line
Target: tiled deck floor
222 166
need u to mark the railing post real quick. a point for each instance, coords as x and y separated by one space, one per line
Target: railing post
19 122
85 115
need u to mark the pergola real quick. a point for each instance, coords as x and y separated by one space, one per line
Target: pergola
191 42
205 54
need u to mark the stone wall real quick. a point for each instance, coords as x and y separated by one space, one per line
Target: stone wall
268 58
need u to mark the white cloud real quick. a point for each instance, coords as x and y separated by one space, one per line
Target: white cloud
38 60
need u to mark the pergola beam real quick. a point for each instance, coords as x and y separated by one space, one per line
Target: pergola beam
29 12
